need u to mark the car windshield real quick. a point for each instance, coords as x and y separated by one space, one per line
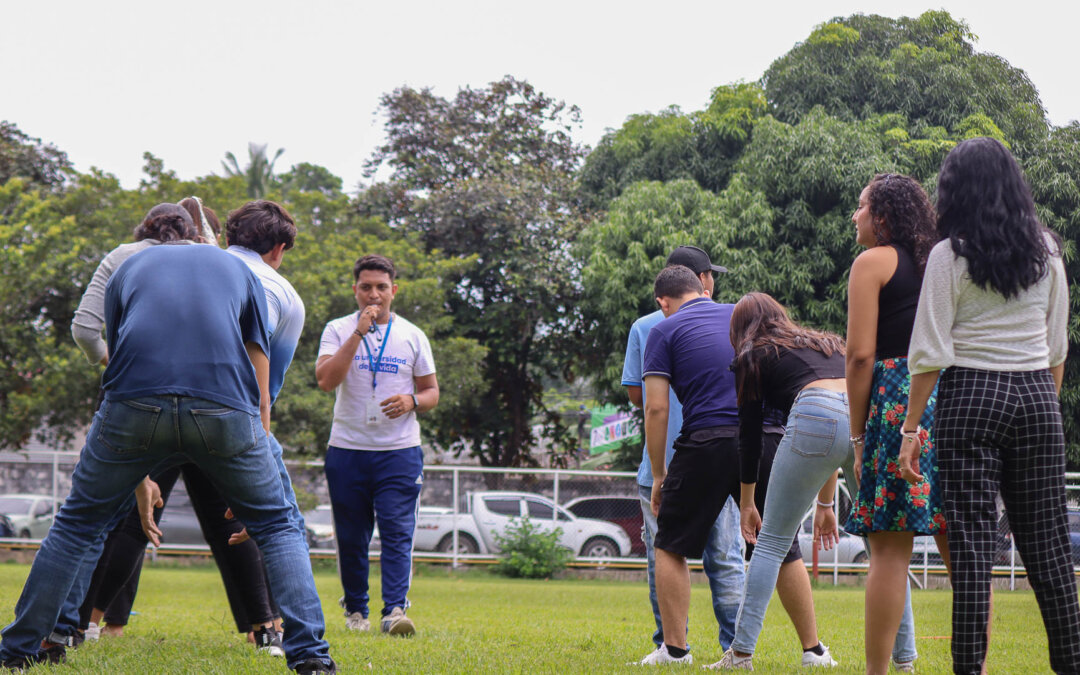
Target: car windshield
15 505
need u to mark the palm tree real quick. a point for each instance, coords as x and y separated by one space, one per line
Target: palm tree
259 171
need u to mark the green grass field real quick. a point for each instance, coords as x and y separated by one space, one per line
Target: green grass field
470 622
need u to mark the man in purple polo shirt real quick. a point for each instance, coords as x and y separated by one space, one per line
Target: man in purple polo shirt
690 352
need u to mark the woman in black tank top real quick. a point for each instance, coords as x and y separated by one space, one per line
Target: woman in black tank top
895 222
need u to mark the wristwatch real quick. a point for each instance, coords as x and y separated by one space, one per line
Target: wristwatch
415 403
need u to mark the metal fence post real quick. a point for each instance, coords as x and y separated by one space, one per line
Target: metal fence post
454 532
555 498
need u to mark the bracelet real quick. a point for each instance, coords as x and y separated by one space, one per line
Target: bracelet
858 438
415 403
824 505
358 334
911 434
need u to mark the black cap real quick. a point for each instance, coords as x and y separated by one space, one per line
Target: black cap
694 258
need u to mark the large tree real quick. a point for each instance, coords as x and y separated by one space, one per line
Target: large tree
489 173
55 239
861 95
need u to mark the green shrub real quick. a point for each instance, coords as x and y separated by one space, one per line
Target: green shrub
529 552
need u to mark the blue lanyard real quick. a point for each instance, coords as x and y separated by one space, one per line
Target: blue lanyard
374 363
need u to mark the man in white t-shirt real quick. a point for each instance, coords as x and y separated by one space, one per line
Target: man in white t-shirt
382 372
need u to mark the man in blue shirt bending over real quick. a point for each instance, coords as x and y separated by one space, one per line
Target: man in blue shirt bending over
723 556
188 379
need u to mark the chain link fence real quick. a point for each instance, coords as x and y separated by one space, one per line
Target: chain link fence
463 509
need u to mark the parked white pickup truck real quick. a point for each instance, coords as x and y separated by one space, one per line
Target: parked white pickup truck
489 513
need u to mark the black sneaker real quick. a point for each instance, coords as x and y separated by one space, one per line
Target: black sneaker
54 648
315 666
18 664
268 641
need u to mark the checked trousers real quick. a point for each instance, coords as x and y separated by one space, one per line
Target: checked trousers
1001 432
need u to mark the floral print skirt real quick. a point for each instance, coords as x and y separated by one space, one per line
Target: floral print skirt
887 502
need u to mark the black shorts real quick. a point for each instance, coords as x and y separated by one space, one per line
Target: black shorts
769 443
699 479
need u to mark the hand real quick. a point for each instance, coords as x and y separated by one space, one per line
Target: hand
148 498
860 447
750 523
654 502
825 533
237 537
397 405
367 318
910 451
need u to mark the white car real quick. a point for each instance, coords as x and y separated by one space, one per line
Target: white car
489 514
31 515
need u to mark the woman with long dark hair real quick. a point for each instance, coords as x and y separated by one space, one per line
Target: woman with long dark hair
799 372
895 222
993 315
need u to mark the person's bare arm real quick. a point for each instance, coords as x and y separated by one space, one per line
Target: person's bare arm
330 371
656 422
868 275
427 397
262 373
1058 373
922 385
634 392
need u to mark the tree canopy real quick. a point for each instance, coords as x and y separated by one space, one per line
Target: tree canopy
861 95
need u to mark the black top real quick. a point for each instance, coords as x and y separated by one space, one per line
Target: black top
897 302
783 376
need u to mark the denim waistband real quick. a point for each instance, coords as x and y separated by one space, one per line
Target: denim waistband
819 392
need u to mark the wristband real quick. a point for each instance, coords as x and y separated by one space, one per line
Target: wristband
358 334
415 403
858 438
824 505
911 434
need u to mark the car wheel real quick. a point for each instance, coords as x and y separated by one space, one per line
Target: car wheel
466 544
600 547
860 558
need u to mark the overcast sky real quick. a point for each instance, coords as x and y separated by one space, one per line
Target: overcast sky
105 81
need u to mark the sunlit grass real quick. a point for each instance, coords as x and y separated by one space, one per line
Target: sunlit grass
473 622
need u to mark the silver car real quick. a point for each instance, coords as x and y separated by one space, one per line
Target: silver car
31 515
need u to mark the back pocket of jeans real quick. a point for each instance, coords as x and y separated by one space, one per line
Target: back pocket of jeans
128 426
226 432
812 436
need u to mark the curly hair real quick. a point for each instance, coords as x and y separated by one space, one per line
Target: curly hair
260 226
902 215
986 211
760 325
166 222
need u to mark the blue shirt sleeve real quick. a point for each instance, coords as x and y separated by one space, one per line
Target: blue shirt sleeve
631 369
253 314
657 355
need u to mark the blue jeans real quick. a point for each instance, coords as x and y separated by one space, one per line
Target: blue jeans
814 445
126 441
723 563
369 487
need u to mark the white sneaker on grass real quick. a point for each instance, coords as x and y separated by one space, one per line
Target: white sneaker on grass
903 666
661 657
812 660
357 621
93 632
396 623
732 662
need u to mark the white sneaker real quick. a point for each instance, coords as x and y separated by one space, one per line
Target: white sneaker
812 660
660 657
357 621
93 632
898 666
732 662
396 623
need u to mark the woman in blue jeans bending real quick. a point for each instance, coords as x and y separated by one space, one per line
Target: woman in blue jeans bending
801 373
